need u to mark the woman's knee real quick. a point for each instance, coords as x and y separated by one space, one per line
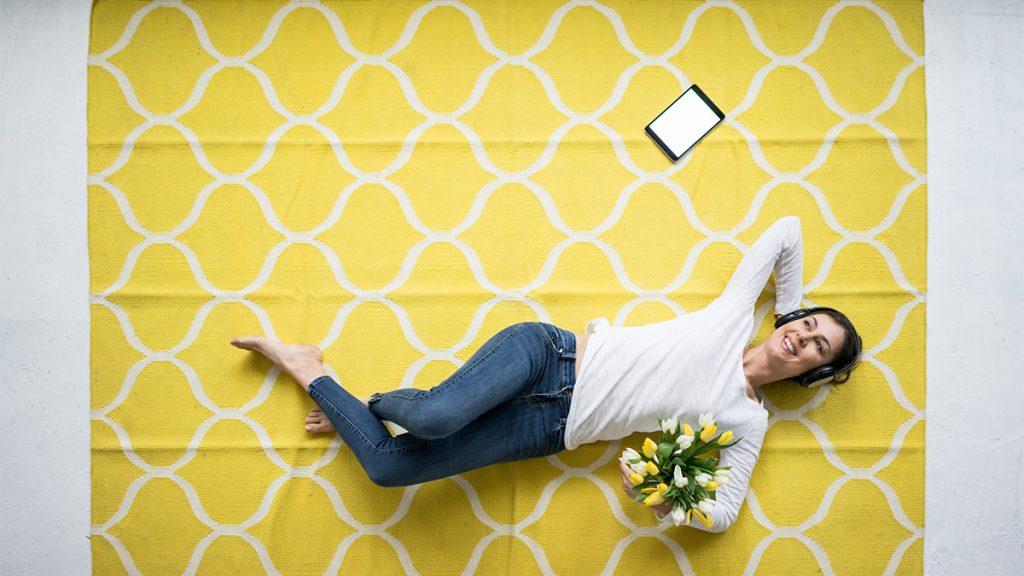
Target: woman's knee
423 413
431 424
388 477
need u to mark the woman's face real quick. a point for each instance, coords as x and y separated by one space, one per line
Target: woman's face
804 344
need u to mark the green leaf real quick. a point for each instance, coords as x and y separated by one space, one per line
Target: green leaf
686 454
709 447
665 450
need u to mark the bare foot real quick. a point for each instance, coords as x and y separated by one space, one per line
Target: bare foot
317 422
303 362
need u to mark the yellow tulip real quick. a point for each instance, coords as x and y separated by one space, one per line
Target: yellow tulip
704 519
711 486
656 497
650 490
687 430
708 432
652 468
725 437
636 478
649 447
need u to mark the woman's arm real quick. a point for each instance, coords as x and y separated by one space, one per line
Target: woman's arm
741 458
778 249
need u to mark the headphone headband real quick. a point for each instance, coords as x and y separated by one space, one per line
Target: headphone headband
822 374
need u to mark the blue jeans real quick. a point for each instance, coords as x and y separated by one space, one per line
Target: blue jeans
509 401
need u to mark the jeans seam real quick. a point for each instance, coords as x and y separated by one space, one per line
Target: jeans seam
552 440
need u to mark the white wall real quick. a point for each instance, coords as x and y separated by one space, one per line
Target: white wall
974 494
974 70
44 289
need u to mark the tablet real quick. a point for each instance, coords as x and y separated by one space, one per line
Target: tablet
686 120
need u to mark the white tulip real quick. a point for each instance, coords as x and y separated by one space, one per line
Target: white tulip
706 418
629 454
684 443
702 479
640 468
724 472
677 474
678 515
721 479
706 506
669 425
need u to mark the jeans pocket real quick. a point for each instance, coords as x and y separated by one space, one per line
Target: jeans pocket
552 336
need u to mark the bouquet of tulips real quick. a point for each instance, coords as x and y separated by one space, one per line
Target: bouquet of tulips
674 470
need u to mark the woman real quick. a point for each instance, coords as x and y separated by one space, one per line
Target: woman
528 393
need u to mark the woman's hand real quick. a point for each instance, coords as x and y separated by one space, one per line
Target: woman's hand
627 485
662 509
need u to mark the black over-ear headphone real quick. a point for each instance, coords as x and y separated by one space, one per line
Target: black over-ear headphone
822 374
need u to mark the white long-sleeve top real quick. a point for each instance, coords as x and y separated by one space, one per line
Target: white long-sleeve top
689 365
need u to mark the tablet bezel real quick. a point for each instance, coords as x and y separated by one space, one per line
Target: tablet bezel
664 148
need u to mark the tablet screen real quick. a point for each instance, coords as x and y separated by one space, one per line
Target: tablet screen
683 123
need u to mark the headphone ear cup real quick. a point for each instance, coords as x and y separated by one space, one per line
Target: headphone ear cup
817 377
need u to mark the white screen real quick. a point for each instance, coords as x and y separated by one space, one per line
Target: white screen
684 122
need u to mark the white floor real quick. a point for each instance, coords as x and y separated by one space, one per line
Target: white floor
975 402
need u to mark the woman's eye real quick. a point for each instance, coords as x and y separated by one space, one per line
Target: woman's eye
807 324
818 344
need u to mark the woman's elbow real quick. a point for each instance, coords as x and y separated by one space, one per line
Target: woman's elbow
723 522
719 527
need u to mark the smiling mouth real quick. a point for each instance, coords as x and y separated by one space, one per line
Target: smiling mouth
788 345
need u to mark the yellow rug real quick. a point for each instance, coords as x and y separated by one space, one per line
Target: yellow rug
396 181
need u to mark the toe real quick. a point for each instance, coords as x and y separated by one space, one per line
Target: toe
245 342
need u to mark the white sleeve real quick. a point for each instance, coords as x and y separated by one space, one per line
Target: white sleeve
779 248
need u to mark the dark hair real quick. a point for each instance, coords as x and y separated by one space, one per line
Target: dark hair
849 353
